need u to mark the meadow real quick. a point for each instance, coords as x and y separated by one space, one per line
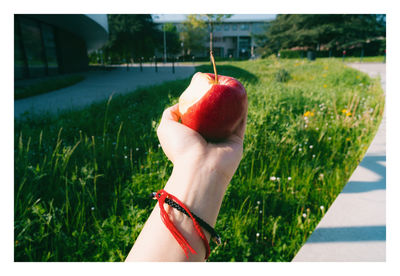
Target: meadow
83 178
46 85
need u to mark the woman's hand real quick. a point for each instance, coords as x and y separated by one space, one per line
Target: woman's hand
188 149
201 174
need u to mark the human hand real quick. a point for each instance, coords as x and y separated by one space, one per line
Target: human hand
186 148
201 174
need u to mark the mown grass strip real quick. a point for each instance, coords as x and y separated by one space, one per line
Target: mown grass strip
45 86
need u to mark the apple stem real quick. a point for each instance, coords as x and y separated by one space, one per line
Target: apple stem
211 54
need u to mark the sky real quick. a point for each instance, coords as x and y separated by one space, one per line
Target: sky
160 18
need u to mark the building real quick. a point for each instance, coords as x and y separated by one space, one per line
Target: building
234 37
50 44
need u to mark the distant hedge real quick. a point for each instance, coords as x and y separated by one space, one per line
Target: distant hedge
374 48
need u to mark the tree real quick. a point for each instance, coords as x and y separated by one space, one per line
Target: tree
336 31
171 37
196 27
131 36
193 35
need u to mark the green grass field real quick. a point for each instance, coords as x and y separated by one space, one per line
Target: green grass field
45 86
82 179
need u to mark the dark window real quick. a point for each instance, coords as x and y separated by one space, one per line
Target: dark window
218 51
244 27
234 27
32 43
19 62
226 27
50 49
244 46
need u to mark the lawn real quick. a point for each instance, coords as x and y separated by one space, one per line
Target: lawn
82 179
42 86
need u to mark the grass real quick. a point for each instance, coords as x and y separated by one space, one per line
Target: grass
45 86
82 179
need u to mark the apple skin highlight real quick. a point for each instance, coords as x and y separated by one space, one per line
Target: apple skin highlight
218 112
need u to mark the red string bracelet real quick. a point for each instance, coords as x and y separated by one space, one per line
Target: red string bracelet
161 195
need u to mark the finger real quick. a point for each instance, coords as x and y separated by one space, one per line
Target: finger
168 118
241 128
171 114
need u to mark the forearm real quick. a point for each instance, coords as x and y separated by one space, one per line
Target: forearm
202 190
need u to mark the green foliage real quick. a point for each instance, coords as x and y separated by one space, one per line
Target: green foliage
292 54
194 35
172 39
282 75
196 28
131 36
43 86
82 179
330 30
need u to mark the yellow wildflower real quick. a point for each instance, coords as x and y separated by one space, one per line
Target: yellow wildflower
324 75
344 110
358 77
347 139
348 114
308 114
325 86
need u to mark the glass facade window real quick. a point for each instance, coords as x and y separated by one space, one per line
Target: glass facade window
244 46
244 27
217 39
258 27
35 51
234 27
50 49
244 42
218 51
32 42
226 27
19 61
218 27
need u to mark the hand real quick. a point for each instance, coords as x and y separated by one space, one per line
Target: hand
187 148
201 174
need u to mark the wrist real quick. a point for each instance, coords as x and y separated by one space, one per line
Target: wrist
200 188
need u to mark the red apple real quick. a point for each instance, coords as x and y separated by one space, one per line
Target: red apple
213 109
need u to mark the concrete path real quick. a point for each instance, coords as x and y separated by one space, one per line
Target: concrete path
99 85
354 228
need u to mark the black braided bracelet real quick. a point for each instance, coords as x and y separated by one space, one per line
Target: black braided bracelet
214 235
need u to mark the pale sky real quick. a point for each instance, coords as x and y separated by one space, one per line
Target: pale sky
160 18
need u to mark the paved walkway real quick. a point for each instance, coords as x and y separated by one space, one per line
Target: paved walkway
354 228
99 85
